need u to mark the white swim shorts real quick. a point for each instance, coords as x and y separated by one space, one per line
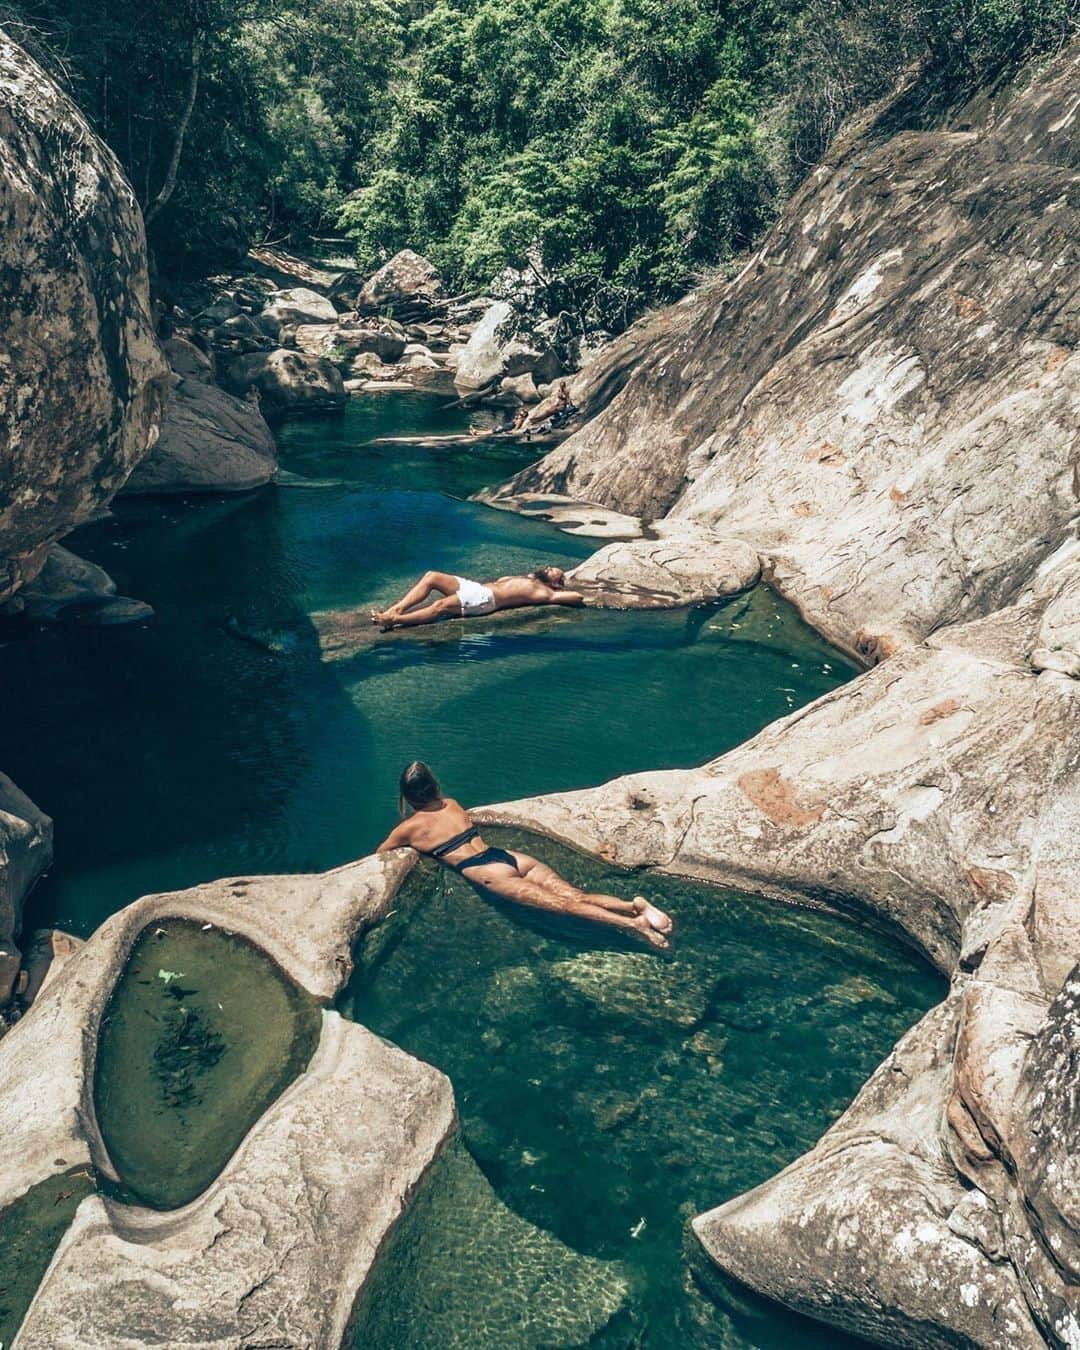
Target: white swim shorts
475 598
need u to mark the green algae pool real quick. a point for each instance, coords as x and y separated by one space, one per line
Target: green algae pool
202 1033
173 754
609 1093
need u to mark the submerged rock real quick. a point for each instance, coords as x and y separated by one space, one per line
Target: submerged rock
939 794
82 380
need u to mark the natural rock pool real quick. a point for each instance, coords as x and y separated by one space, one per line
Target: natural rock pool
202 1033
605 1093
609 1094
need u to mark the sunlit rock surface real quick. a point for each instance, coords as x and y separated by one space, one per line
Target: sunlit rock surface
884 402
81 377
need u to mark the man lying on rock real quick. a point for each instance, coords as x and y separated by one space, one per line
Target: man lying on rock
460 598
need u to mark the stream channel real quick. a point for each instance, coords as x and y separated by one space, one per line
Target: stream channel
606 1093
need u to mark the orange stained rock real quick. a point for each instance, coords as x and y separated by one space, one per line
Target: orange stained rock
775 797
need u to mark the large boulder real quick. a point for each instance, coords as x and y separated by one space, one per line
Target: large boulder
82 380
287 380
25 853
894 370
490 354
407 284
298 305
211 441
340 342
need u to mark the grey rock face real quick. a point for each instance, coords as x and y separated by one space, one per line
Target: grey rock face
211 441
25 853
70 590
894 369
342 341
81 377
489 355
287 380
298 305
938 794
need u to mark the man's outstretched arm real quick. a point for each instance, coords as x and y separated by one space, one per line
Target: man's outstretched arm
566 598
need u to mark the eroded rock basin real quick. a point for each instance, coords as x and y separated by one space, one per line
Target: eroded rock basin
609 1094
202 1033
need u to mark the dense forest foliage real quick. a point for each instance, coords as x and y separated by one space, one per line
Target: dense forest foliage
623 144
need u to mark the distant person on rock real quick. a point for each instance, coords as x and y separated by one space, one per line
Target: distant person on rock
460 598
565 410
442 829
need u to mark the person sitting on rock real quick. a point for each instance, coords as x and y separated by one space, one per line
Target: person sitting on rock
564 411
442 829
460 598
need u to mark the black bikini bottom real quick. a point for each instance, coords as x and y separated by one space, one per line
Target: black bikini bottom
489 855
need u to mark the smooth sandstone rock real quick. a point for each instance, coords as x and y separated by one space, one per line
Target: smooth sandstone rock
211 441
306 923
681 567
82 380
25 853
287 380
893 370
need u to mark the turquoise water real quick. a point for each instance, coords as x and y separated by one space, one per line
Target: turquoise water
609 1094
223 758
606 1094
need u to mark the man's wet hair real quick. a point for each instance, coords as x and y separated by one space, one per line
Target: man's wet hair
550 576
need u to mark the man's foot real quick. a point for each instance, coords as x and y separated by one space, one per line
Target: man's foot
649 933
656 918
384 618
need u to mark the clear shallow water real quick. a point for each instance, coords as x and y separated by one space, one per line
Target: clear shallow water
609 1093
32 1228
203 1032
173 754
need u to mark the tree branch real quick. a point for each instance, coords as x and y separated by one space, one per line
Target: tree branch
169 185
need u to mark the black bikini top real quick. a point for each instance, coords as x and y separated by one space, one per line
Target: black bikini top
441 850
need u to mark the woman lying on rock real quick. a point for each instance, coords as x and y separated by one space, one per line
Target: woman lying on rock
461 598
442 829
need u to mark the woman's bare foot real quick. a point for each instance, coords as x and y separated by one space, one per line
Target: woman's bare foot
384 618
656 918
649 933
